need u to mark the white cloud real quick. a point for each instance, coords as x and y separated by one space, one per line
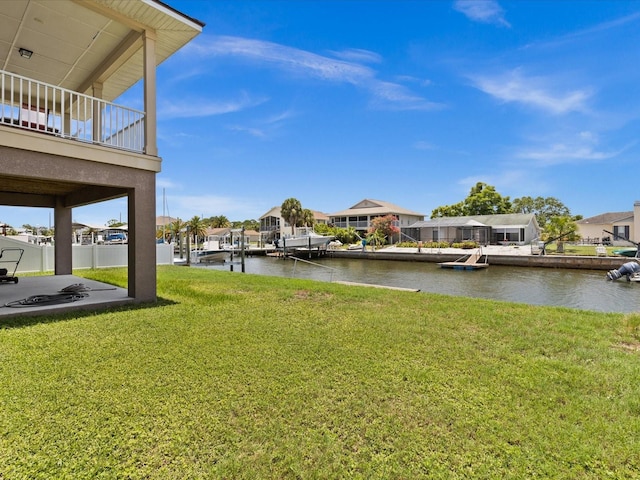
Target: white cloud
508 182
162 182
265 128
558 153
533 91
293 59
187 206
307 64
254 132
582 147
202 107
485 11
357 55
601 28
422 145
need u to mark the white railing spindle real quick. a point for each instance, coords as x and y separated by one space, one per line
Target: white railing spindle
38 106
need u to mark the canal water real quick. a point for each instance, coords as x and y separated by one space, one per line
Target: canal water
581 289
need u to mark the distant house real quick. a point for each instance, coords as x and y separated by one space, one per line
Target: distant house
228 236
164 221
273 226
511 228
621 224
362 213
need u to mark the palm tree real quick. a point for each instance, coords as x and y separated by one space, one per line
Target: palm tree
308 219
198 228
291 211
176 227
220 222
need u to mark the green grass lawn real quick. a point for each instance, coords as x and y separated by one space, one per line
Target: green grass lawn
241 376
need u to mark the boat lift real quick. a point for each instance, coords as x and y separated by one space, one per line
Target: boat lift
621 237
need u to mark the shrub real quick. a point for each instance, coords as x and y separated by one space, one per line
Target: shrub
466 244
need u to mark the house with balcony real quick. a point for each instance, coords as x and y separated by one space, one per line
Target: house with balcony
360 215
65 141
273 226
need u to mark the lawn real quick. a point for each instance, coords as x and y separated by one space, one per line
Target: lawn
234 375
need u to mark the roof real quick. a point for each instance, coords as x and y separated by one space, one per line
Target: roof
277 212
606 218
164 220
375 207
77 43
504 220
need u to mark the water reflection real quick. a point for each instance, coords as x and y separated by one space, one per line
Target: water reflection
582 289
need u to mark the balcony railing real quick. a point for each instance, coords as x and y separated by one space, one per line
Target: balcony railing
32 105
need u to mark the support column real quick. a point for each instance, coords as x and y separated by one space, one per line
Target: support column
63 256
150 141
142 239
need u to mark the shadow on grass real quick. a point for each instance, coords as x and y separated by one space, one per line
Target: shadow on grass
27 320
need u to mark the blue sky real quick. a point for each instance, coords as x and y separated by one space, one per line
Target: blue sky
411 102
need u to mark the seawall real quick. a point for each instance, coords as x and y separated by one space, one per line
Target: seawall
545 261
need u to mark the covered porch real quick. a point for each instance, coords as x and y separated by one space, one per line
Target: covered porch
64 143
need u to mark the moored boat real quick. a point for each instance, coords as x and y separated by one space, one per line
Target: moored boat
306 238
210 252
626 252
630 270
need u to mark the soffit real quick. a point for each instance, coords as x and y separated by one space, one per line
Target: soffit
76 42
12 184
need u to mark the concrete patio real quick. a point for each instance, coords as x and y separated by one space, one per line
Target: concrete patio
14 297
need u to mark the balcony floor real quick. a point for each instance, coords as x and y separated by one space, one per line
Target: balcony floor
100 295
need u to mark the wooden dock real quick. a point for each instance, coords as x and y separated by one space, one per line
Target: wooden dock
470 263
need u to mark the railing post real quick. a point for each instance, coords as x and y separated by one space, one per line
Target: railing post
96 112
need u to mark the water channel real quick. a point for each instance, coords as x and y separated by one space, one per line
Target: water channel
581 289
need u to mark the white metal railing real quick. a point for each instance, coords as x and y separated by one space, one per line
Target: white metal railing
38 106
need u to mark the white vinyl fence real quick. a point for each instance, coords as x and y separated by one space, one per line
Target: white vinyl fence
40 258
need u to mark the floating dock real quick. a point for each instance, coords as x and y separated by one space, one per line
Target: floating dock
472 262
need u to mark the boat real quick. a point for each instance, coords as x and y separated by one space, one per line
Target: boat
211 251
468 262
626 252
631 270
306 238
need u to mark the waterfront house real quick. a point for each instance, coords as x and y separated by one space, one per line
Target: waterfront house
360 215
621 224
505 229
228 236
64 142
273 226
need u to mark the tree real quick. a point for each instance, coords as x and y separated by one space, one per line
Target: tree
483 199
543 208
115 223
197 227
247 224
291 211
176 227
308 218
562 229
383 228
455 210
219 221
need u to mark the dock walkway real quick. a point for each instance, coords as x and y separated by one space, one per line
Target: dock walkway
471 263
